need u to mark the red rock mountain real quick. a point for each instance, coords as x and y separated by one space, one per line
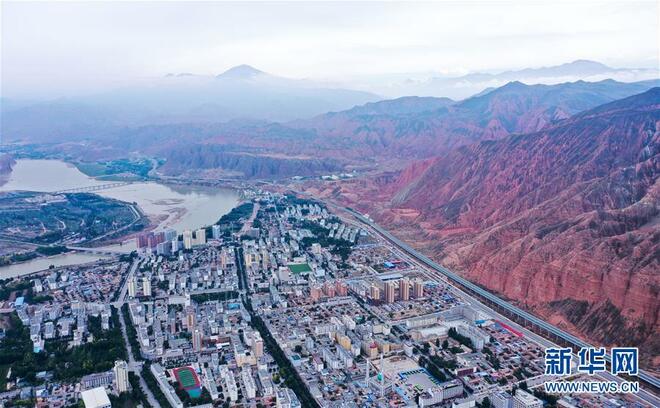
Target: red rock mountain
414 127
566 221
384 135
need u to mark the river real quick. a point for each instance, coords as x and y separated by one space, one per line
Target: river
174 206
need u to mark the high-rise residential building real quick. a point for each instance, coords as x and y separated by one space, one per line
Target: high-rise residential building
248 383
225 257
187 239
315 293
163 248
389 292
341 288
146 286
418 288
190 319
200 237
176 245
478 337
230 388
159 237
404 289
197 340
257 345
170 234
265 260
216 232
132 287
142 240
329 289
375 292
121 375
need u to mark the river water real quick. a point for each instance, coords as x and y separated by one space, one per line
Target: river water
174 206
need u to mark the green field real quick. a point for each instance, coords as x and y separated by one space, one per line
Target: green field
186 378
137 169
299 268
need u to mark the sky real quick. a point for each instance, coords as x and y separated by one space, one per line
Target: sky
54 49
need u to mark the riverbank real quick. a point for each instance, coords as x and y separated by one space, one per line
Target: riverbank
162 205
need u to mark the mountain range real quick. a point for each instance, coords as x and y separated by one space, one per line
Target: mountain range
563 220
437 125
546 193
463 86
361 138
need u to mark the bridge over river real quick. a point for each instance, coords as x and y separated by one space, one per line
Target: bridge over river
90 189
97 251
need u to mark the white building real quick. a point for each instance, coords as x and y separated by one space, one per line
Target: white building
209 383
267 386
444 391
216 232
170 234
176 246
187 239
146 286
200 237
121 376
501 400
524 399
158 372
248 383
231 389
132 287
95 398
286 398
478 337
197 340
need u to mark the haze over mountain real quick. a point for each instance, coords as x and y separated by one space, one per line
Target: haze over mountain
460 87
240 92
547 194
378 135
423 127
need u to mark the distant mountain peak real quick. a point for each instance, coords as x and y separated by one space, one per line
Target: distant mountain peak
514 86
241 72
585 62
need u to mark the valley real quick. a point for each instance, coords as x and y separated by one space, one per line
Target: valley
517 188
562 221
337 204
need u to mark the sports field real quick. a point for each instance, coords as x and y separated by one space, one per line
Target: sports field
299 268
188 380
186 377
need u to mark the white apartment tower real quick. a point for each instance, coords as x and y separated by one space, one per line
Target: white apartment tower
121 375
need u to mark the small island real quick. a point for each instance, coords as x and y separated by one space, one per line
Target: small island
43 224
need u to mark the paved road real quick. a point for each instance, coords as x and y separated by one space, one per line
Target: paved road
121 299
136 366
248 224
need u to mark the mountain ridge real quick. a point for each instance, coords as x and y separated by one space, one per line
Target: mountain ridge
563 215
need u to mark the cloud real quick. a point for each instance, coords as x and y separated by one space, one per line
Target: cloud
72 47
